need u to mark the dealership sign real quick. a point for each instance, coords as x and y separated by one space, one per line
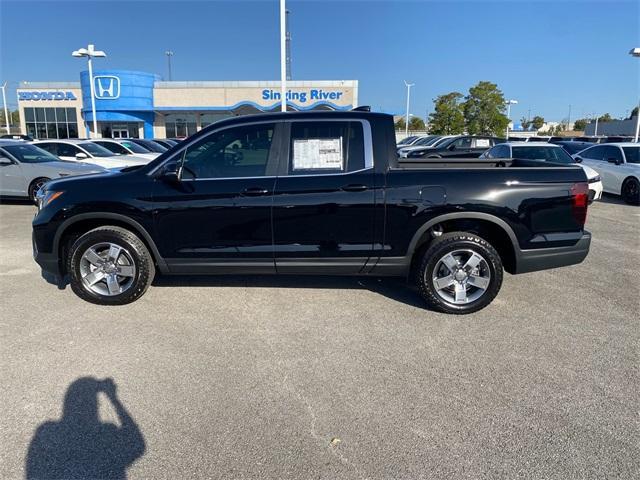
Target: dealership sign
51 95
314 94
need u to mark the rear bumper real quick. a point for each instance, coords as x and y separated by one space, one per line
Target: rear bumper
545 258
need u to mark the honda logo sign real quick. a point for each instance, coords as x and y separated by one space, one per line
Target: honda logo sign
107 87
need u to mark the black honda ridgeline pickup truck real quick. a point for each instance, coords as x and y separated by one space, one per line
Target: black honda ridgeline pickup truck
311 193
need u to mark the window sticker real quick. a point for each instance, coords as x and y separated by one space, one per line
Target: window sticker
482 142
318 154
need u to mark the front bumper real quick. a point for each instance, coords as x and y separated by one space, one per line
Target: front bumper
544 258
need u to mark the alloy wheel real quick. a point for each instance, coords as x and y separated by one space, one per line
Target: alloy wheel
107 269
461 277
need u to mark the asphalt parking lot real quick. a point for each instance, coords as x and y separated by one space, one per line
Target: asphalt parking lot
315 377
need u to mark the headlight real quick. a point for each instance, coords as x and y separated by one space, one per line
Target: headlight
46 197
595 179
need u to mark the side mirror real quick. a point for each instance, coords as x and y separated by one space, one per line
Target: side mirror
81 156
614 160
4 161
170 173
578 159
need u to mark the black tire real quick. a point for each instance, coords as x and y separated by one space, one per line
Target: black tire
35 185
137 254
631 191
453 242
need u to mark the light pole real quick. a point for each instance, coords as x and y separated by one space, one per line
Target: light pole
169 54
595 133
635 52
91 52
283 56
406 126
509 103
4 104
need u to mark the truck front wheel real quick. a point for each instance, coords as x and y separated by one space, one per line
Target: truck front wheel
459 273
110 266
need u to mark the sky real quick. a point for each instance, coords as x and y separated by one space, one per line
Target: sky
547 55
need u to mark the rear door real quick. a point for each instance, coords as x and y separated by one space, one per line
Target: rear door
460 148
323 206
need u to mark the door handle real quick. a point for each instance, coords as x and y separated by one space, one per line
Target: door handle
354 188
254 192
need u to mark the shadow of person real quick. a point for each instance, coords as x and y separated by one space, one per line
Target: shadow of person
79 445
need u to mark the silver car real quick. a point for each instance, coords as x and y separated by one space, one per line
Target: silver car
24 168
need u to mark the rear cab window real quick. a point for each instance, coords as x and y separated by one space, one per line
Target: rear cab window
326 147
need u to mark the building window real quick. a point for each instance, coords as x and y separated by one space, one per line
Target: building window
51 122
180 125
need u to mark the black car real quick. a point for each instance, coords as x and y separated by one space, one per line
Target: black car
574 147
465 146
165 142
150 145
311 193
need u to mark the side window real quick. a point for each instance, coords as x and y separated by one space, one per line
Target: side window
482 143
234 152
49 147
594 153
326 147
67 150
613 152
464 142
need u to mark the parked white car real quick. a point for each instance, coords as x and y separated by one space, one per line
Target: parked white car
619 167
87 152
120 146
24 168
548 152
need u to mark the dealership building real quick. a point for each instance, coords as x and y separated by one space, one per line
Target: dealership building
139 104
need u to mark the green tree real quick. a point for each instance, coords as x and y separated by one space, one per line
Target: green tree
580 124
537 122
484 110
525 123
604 118
14 117
400 124
416 123
447 117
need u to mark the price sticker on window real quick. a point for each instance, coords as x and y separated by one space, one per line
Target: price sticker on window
318 154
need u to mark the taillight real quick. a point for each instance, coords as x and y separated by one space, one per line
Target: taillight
579 201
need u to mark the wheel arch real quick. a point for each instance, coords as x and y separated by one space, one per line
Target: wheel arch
495 230
82 223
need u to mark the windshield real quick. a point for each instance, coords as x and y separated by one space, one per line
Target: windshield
28 153
134 147
443 142
426 141
632 154
546 153
407 140
150 145
574 147
96 150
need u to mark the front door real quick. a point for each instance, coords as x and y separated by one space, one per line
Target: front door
323 207
120 132
217 218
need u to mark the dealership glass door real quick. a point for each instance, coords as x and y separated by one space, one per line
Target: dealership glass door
119 130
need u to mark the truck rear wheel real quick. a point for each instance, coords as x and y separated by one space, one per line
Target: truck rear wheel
110 266
459 273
